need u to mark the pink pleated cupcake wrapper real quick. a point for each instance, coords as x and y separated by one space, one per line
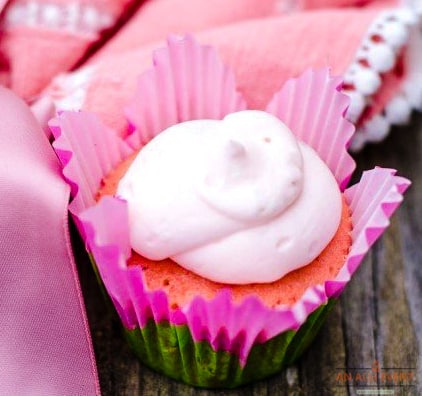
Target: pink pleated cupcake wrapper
188 81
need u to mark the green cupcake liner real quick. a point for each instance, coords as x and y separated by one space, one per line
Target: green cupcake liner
171 350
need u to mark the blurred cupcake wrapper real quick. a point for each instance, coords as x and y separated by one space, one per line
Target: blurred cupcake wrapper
214 343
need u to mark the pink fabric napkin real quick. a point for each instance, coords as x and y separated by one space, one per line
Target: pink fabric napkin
265 43
45 347
43 37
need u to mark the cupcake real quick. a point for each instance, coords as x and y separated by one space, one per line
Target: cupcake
223 236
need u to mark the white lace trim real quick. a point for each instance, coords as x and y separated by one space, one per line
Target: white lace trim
378 54
415 5
399 109
68 91
73 17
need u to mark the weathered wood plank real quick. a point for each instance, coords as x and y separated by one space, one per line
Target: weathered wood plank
379 315
318 365
358 320
409 153
395 335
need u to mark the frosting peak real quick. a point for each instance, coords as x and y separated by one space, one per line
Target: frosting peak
236 201
256 171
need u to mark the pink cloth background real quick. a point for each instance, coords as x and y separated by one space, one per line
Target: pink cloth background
158 18
35 54
263 41
254 58
45 347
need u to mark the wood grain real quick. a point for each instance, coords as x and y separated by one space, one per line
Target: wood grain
379 317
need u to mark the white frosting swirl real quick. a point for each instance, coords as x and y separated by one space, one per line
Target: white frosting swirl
236 201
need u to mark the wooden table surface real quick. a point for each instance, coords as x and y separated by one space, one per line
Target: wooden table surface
379 316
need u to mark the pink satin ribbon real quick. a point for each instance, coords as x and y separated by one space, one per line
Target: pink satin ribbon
45 348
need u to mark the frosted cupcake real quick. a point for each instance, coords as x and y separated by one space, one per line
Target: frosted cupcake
222 236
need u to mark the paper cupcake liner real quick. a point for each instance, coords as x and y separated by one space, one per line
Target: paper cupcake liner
328 135
196 83
172 351
90 155
88 151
